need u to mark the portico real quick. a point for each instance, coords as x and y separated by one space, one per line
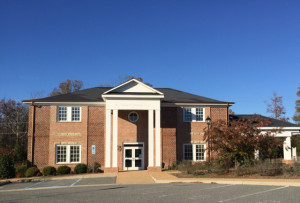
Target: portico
132 96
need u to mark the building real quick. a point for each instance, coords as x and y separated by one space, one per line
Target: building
132 127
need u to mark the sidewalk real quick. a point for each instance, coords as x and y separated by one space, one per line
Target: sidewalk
134 177
169 177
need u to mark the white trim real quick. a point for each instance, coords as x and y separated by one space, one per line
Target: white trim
150 138
133 80
115 139
107 137
133 96
100 103
157 139
194 104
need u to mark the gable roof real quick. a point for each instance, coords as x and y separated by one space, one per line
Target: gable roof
133 86
95 95
274 122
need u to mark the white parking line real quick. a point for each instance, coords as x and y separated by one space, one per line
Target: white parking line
256 193
75 182
33 185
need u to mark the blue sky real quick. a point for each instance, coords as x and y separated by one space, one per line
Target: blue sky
240 51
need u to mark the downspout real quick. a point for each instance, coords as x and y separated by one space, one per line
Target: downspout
33 132
227 113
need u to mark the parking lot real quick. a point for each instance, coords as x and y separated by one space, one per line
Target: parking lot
104 189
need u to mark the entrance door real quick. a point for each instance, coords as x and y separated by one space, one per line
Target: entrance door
133 157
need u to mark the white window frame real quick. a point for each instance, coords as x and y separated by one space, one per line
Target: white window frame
68 155
194 152
193 111
69 114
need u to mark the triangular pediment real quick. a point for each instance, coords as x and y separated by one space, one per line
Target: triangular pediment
133 86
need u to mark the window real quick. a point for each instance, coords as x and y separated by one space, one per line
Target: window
187 114
133 117
62 113
194 152
69 113
68 153
193 114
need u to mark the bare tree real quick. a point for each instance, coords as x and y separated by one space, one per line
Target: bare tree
67 87
276 108
122 80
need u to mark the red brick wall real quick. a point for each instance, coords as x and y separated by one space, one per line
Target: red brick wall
132 132
168 134
41 136
95 135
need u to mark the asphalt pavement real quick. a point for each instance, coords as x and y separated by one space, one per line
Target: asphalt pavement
105 190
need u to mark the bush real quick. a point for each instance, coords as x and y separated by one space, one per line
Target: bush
96 166
246 170
80 168
21 170
63 170
49 170
7 169
32 171
270 169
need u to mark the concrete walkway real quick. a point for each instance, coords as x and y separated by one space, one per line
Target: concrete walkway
169 177
134 177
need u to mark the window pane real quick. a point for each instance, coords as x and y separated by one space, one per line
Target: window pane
199 114
74 153
188 152
62 113
61 155
200 152
75 113
187 114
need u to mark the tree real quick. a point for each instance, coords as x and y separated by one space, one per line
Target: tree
67 87
276 108
236 142
14 120
296 117
122 80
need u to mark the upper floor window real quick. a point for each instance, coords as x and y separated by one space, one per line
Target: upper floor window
69 113
193 114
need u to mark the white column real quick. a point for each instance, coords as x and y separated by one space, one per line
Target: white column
150 139
287 152
107 138
157 139
115 139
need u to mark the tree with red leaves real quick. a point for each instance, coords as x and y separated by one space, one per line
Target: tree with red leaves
235 143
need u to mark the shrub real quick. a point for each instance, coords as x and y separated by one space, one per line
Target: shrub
270 169
80 168
21 170
32 171
7 169
49 170
246 170
96 166
63 170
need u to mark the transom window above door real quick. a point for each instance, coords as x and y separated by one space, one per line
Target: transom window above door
133 116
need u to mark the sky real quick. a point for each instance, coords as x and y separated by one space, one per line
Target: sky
236 51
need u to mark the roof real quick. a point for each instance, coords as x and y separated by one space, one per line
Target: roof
95 95
274 122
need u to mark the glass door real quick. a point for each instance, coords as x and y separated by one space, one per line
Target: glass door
133 158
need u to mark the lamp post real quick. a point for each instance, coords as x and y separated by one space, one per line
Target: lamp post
208 122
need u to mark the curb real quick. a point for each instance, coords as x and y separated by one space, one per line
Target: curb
5 182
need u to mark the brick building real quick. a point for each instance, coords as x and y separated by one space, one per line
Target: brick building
132 127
